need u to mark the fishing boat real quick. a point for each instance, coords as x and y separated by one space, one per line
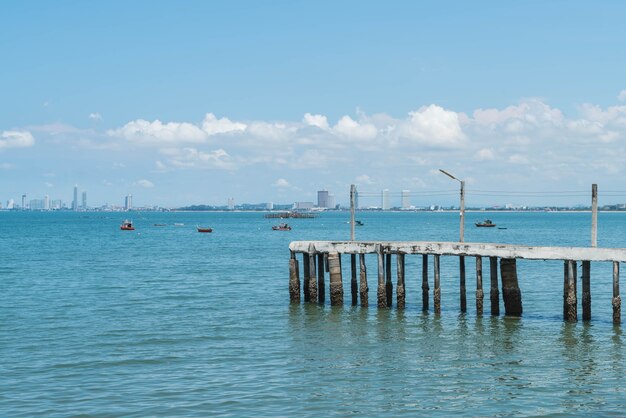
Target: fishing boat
281 227
127 226
201 229
485 224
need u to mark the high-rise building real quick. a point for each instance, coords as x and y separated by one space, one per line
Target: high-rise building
406 201
128 202
269 206
84 205
75 201
46 202
322 199
10 204
331 201
37 204
385 200
23 201
231 203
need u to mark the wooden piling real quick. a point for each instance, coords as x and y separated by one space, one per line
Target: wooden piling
480 295
312 277
381 291
565 288
400 295
617 300
294 279
336 284
354 288
425 287
586 290
306 276
511 293
363 288
437 291
462 291
571 313
321 286
494 294
388 283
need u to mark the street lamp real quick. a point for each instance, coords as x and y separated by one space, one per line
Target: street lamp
462 202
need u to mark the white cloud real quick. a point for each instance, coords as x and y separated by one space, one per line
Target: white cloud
270 130
364 179
485 154
194 158
214 126
316 120
281 183
155 132
144 183
348 127
95 116
622 96
16 139
432 125
48 184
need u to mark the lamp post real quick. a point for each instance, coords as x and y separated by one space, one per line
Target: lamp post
462 210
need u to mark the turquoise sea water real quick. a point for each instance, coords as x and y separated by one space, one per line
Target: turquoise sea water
164 321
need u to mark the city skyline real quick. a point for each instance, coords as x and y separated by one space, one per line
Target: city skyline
383 98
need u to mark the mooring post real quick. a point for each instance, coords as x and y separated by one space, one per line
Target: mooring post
312 277
363 289
437 291
306 276
400 295
617 300
321 286
494 294
294 279
571 312
586 290
388 284
480 295
463 291
511 293
354 288
381 291
336 285
565 287
425 287
326 263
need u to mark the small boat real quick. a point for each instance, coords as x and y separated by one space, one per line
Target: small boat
179 224
485 224
281 227
127 226
201 229
358 223
160 224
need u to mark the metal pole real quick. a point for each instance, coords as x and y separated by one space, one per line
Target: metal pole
462 210
352 198
594 215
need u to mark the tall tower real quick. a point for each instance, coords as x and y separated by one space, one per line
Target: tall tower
231 203
128 203
322 199
23 202
84 205
75 201
46 202
385 200
406 202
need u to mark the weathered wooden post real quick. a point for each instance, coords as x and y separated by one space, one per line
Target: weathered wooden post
425 287
617 300
400 295
437 291
388 284
336 285
321 286
463 291
306 275
381 291
571 313
363 288
511 293
494 294
586 290
480 295
354 288
312 276
294 279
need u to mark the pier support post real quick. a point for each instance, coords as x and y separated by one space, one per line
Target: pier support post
400 295
586 290
381 291
321 286
511 293
363 288
480 295
389 283
617 300
437 291
312 276
294 279
463 291
494 294
571 302
306 276
425 287
336 285
354 288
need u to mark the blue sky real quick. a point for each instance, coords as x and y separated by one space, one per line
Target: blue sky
195 102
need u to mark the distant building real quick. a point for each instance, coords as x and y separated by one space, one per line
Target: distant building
46 202
322 199
231 203
269 206
406 201
56 204
84 205
303 205
75 201
331 201
10 204
128 202
37 204
23 201
385 200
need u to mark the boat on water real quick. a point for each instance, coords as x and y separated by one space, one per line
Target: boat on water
358 223
487 223
127 226
202 229
160 224
281 227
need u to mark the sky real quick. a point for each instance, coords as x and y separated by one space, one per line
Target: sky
194 102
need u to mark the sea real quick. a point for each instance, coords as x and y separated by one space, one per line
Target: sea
164 321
